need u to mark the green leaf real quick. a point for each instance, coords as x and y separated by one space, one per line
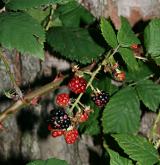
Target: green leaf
142 72
72 14
128 57
38 14
48 162
126 36
28 37
149 93
157 60
116 159
108 33
75 44
26 4
122 114
105 84
138 148
152 38
158 163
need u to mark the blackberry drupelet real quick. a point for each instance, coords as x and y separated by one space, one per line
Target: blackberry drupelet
100 98
58 119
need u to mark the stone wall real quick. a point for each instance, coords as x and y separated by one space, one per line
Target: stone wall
25 136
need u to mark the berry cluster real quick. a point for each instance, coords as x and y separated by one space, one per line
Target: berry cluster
60 123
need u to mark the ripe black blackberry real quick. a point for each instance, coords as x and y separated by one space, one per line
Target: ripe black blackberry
100 98
58 119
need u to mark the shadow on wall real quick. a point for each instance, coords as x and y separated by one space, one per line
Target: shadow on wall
28 120
14 160
96 159
97 154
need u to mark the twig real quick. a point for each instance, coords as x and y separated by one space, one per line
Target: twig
154 131
11 75
50 18
28 98
141 58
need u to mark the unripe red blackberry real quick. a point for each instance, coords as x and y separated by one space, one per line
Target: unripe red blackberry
134 46
77 85
71 136
62 99
84 117
57 133
119 75
49 127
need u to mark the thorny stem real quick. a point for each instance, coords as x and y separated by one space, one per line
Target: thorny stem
50 17
154 132
28 98
81 104
141 58
115 50
93 76
11 75
93 89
